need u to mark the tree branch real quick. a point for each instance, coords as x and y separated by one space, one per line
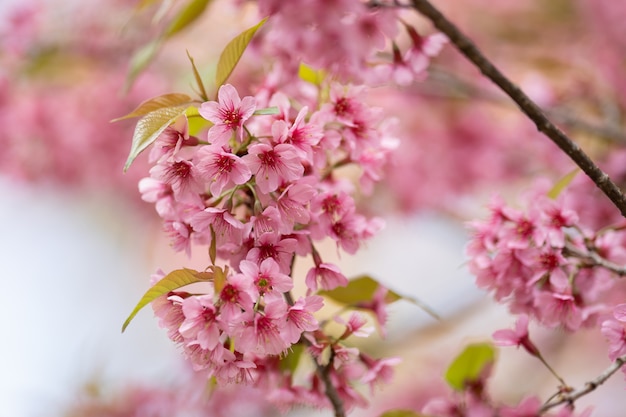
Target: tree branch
471 52
594 259
331 393
590 386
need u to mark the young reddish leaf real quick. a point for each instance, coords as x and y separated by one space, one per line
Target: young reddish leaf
150 127
173 280
562 183
140 60
156 103
192 11
469 366
401 413
232 53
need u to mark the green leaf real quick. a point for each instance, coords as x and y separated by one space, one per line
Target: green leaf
292 359
192 11
150 127
170 282
311 75
470 365
156 103
562 183
267 111
232 53
198 78
401 413
358 290
140 61
219 278
362 288
196 122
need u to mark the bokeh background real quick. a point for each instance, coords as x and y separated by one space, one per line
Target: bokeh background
77 244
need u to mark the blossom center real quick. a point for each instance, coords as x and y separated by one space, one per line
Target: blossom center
180 169
269 158
229 294
231 118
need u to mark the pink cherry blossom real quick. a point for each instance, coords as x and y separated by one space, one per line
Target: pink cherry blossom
518 337
268 281
379 371
615 333
200 323
261 332
619 312
182 176
235 297
228 115
300 317
226 227
272 166
272 246
269 221
171 140
221 169
325 276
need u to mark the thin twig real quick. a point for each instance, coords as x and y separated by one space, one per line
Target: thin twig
467 48
323 371
590 386
594 259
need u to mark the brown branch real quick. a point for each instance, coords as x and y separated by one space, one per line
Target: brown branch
471 52
331 393
571 397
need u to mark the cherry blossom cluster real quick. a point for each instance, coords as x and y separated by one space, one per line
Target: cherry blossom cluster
544 263
350 38
259 191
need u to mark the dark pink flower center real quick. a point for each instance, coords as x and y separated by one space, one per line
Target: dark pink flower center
330 204
229 294
525 228
224 164
342 107
180 169
208 314
269 158
267 251
231 118
549 261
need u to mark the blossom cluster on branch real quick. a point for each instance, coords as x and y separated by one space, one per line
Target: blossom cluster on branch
259 192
